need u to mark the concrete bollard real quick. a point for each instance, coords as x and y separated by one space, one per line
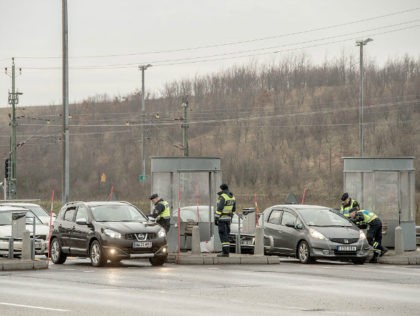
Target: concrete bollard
259 241
399 241
195 241
26 245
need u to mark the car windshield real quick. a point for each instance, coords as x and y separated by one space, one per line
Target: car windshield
6 218
323 217
194 213
38 210
117 213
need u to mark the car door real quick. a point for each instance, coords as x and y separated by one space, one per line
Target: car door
288 235
272 228
81 231
65 228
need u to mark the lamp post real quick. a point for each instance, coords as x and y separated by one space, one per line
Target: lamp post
184 126
143 68
361 43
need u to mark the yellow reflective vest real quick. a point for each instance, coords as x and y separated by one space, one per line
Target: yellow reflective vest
227 212
166 213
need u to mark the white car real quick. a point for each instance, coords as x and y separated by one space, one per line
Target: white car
36 209
41 231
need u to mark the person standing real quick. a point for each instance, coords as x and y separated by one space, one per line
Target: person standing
374 232
348 205
226 206
161 211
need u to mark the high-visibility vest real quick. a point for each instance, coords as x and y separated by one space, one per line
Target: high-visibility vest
368 216
166 212
226 213
345 210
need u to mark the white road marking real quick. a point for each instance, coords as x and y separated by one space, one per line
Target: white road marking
35 307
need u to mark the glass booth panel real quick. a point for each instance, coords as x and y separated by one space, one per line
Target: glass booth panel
353 185
407 213
194 188
386 194
161 187
368 191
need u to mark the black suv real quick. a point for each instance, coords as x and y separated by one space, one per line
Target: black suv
106 231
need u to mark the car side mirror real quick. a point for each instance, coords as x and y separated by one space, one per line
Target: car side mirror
299 226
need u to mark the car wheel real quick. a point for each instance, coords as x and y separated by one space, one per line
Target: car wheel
358 260
157 261
303 252
96 254
57 256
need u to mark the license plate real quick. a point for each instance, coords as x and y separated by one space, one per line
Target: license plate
142 244
346 248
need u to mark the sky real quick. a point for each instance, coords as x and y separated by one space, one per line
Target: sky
109 39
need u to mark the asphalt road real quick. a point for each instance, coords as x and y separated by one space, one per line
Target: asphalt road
137 288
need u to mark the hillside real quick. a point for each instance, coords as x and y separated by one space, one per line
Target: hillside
278 128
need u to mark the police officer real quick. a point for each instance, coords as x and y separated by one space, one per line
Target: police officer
348 205
374 232
161 212
226 206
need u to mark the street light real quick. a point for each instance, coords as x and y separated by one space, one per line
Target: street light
361 43
143 68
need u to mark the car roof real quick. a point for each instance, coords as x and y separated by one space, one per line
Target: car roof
298 207
8 208
96 203
24 204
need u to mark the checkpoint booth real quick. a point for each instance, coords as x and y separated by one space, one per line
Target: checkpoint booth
190 186
385 186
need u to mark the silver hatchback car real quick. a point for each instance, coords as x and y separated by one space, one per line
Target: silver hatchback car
310 232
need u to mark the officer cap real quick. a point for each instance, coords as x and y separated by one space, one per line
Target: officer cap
224 186
153 196
345 196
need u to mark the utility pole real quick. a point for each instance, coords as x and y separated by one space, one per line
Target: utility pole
361 101
66 138
143 174
13 101
185 126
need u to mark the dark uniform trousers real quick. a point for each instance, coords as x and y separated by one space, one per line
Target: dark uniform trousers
165 223
224 232
374 236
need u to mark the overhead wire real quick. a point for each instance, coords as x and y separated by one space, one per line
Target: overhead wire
237 54
232 43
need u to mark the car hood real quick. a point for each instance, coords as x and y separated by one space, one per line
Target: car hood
130 227
338 231
6 230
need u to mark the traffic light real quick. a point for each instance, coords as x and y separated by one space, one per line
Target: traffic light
7 166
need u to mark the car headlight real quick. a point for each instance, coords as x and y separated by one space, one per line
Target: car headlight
362 235
112 233
161 233
316 234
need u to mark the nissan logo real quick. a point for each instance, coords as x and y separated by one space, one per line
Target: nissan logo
141 236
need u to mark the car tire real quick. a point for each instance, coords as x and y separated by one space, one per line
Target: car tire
157 261
57 255
304 252
96 253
